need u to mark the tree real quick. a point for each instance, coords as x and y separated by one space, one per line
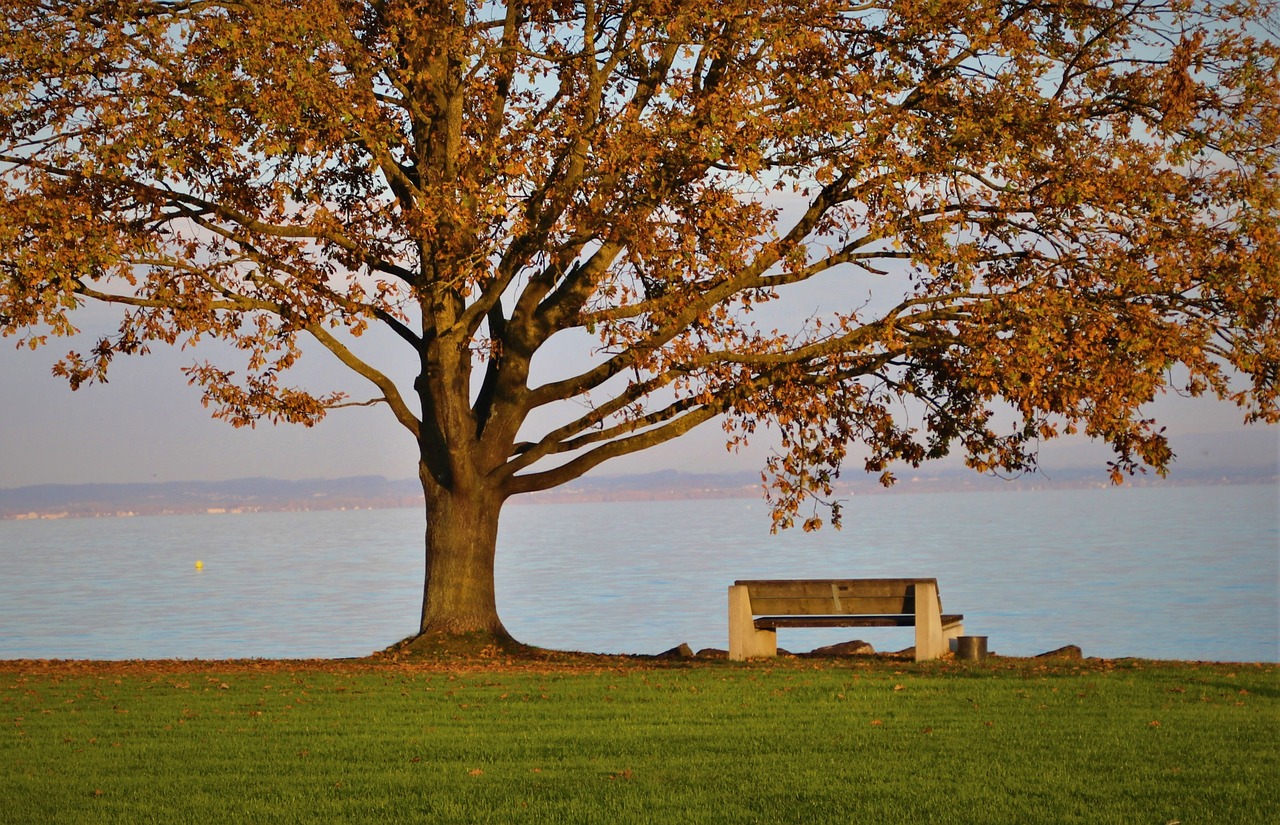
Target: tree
976 225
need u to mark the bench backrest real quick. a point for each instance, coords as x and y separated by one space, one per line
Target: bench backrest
834 597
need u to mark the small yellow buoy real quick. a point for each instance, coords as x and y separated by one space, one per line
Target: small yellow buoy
199 564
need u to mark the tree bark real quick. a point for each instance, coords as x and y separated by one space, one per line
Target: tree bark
461 544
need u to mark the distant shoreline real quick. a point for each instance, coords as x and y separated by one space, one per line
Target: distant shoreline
257 495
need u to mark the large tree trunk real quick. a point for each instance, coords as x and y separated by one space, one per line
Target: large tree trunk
462 537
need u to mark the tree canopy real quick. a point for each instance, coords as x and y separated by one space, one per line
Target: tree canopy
929 226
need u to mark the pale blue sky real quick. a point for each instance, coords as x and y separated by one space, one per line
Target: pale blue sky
148 425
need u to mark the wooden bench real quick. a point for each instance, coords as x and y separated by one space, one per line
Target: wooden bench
758 608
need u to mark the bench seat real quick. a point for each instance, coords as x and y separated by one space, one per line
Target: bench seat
899 620
758 608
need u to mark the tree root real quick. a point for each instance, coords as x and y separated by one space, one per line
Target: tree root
436 645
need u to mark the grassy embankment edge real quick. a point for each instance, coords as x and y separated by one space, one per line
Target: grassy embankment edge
584 738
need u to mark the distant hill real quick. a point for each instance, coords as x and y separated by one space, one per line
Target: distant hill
370 492
236 495
672 484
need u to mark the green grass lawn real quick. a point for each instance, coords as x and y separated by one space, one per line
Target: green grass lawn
811 741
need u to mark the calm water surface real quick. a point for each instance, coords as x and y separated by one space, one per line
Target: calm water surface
1180 573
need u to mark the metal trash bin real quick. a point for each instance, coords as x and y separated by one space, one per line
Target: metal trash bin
971 648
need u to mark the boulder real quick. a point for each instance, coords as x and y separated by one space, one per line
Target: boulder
1066 652
713 653
855 647
680 651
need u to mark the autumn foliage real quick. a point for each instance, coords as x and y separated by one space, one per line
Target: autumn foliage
929 227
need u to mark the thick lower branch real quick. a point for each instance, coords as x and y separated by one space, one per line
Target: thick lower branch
390 392
622 446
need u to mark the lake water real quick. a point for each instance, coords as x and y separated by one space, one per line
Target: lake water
1161 572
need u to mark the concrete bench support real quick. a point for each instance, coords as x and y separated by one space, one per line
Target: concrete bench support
746 641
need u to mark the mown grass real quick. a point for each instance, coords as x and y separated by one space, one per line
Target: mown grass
807 741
